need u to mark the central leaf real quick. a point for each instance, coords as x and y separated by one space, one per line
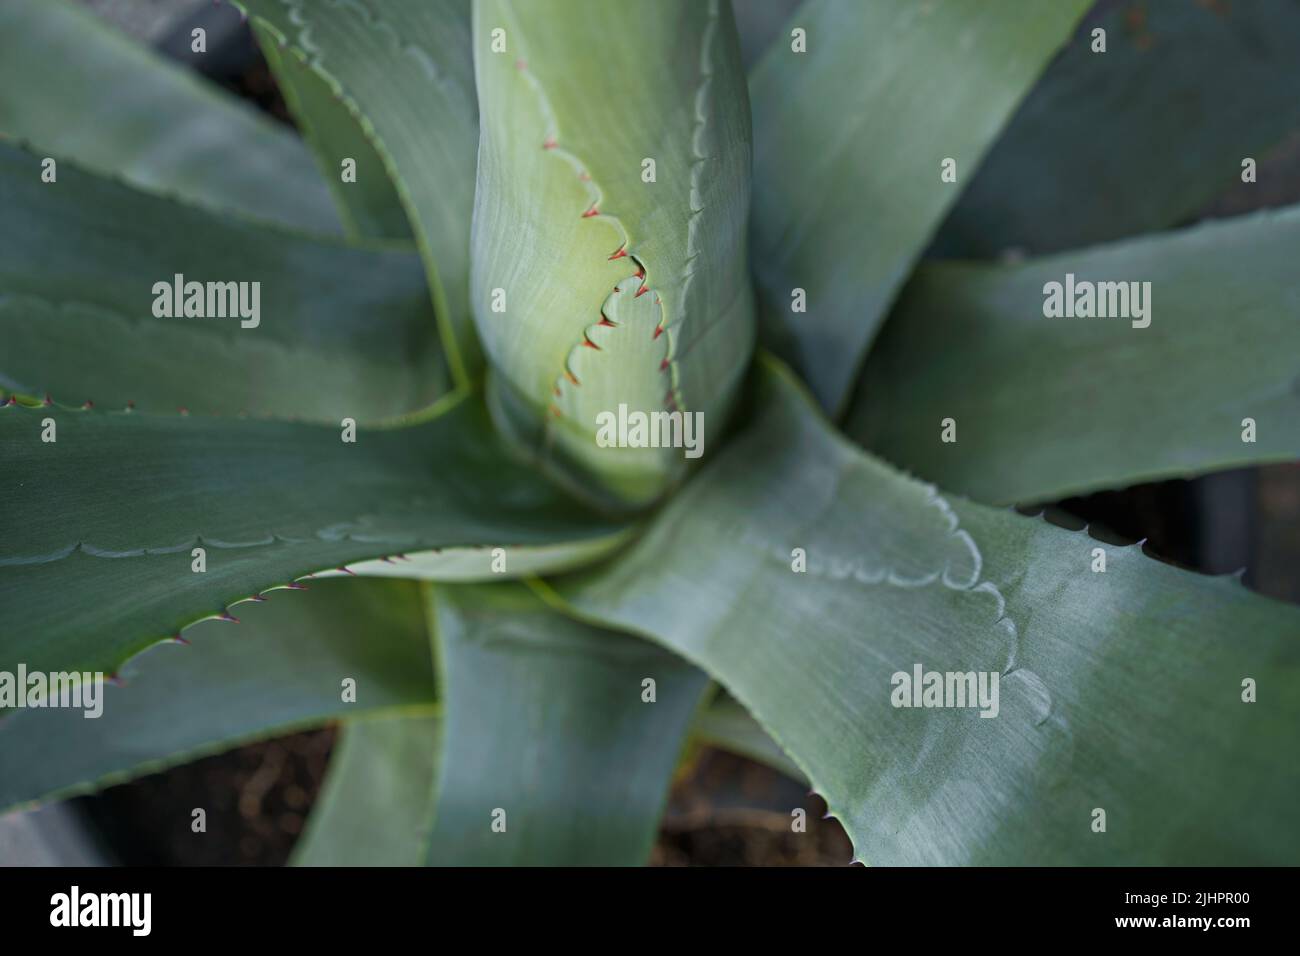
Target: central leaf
609 251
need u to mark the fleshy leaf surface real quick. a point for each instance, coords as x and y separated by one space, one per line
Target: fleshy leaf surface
142 117
376 805
725 724
1139 138
551 755
334 330
113 508
367 200
405 70
609 247
280 671
1121 691
850 141
1046 407
759 25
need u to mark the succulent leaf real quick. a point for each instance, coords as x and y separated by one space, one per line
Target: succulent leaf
281 674
725 724
379 761
1140 139
1084 404
112 509
759 23
851 140
343 331
608 269
546 720
368 200
165 128
609 235
1120 690
404 69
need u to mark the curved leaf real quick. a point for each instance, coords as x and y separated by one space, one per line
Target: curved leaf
376 805
850 138
369 203
341 331
1148 132
548 735
1120 691
495 563
112 510
281 671
609 255
405 70
726 724
1050 407
758 24
72 85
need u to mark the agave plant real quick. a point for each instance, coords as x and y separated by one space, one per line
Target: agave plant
560 231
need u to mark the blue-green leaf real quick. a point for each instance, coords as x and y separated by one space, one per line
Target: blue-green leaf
851 138
73 87
556 749
282 670
405 70
1138 138
1044 408
1164 699
113 508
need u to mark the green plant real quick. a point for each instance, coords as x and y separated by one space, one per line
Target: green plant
794 568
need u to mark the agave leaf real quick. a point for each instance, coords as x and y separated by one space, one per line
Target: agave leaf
73 86
759 23
609 263
850 140
1149 132
376 805
495 563
1119 691
391 762
281 672
1050 407
545 720
113 509
725 724
342 331
369 204
404 69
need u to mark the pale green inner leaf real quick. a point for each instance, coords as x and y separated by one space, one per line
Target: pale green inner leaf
609 260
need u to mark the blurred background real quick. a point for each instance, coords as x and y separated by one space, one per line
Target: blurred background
724 809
